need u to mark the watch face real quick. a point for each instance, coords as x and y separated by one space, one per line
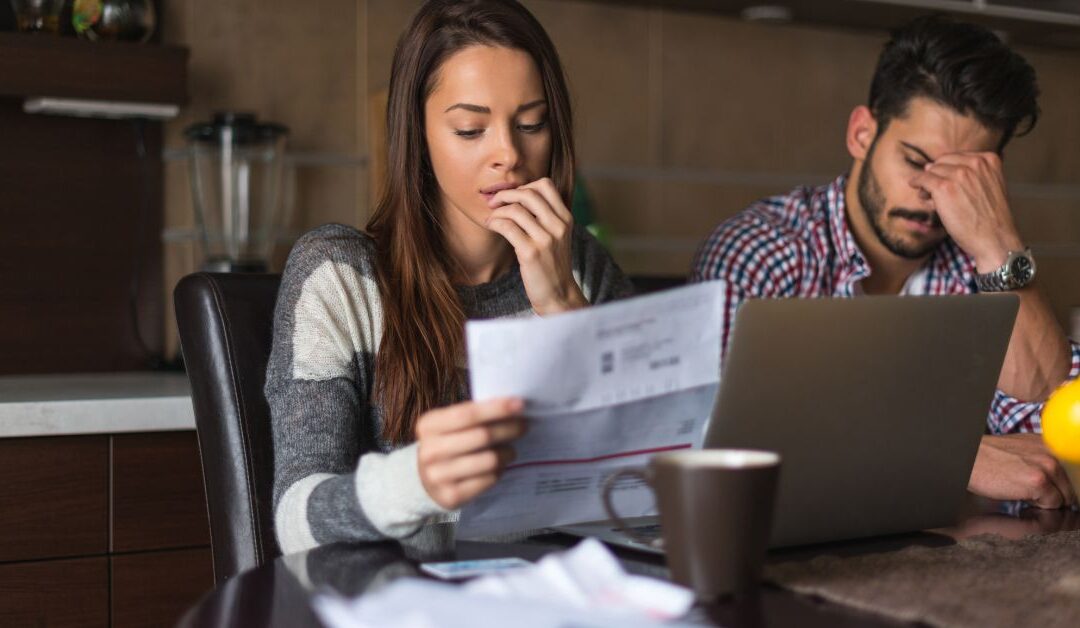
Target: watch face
1021 270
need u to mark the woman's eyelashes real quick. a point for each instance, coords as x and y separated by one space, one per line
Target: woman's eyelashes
532 128
524 128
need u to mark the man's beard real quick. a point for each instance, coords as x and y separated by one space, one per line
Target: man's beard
873 203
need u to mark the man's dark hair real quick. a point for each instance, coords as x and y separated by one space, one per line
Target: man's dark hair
963 66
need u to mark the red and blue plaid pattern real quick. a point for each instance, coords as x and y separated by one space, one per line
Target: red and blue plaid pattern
799 245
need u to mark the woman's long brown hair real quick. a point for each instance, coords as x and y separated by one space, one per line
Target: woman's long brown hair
417 364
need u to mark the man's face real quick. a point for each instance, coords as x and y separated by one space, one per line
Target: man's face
901 214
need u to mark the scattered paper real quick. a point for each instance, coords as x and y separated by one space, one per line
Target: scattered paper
605 388
584 586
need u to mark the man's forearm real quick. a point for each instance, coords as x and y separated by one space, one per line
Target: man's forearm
1038 357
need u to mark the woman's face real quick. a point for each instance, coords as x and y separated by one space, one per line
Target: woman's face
487 130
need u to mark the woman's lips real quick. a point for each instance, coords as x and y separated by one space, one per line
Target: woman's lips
490 191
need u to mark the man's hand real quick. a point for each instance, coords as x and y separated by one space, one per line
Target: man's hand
967 190
1018 466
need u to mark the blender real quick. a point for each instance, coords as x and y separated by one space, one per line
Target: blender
235 166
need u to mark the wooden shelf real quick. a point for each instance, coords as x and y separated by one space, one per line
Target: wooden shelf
1044 23
65 67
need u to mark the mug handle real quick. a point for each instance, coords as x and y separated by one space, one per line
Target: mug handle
609 508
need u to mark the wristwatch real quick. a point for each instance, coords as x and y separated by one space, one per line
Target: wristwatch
1017 272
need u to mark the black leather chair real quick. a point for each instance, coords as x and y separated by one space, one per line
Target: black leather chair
226 325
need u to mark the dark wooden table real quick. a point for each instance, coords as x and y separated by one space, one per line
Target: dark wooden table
275 595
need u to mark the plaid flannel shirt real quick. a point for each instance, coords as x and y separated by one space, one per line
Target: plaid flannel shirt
799 245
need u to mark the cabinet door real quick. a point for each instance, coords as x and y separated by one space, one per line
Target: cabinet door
53 497
158 498
157 588
55 593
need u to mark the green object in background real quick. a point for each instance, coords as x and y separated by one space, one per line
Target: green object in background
84 14
581 208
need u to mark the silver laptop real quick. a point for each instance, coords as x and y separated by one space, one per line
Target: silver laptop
876 405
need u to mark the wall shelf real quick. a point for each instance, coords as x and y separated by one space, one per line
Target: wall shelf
65 67
1050 23
81 205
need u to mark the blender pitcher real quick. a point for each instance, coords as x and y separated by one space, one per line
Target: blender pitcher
235 166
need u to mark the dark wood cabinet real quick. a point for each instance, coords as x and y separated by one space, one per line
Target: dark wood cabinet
55 593
54 499
154 589
157 492
131 507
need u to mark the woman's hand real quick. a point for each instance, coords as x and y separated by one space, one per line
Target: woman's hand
463 448
538 225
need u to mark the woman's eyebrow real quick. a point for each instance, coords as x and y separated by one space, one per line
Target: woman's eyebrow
483 109
531 105
468 107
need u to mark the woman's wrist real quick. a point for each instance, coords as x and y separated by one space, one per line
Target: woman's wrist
572 300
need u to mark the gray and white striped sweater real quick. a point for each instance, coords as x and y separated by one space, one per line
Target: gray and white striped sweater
335 477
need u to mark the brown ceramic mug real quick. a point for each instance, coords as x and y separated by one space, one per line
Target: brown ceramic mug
716 510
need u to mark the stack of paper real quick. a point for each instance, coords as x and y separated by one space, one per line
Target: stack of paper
584 586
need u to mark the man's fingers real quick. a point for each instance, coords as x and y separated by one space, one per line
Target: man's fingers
929 180
1048 497
974 160
1063 485
948 171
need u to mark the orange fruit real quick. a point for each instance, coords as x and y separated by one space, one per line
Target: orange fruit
1061 422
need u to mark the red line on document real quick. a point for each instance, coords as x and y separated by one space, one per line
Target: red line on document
621 454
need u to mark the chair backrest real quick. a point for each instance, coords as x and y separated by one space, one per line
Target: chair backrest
226 325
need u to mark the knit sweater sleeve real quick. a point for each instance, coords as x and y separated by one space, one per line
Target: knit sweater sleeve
331 481
599 277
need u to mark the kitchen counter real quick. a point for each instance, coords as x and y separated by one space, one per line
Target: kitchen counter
108 403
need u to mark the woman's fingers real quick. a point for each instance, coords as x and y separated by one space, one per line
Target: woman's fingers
546 187
527 221
523 245
462 468
465 415
474 439
452 496
535 204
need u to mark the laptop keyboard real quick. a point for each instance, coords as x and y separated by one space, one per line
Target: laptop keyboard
650 532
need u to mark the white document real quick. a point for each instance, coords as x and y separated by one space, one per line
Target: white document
605 388
584 586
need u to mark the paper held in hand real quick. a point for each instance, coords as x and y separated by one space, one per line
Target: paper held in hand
604 388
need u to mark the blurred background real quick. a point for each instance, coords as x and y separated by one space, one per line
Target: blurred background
685 111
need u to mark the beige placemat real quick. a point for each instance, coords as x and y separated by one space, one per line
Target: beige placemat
983 581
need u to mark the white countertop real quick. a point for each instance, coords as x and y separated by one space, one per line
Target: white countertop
108 403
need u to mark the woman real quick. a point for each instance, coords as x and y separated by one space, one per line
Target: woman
366 380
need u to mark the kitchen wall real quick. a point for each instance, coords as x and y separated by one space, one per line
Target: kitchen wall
682 117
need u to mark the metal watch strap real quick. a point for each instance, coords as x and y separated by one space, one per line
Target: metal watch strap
1001 279
991 281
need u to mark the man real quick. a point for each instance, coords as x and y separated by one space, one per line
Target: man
924 211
